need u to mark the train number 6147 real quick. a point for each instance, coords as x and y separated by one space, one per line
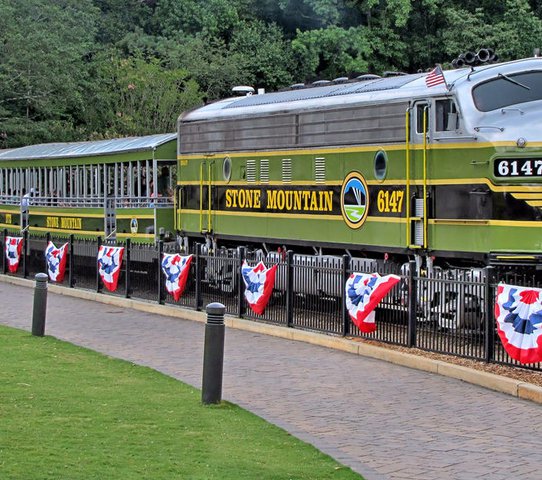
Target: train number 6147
390 201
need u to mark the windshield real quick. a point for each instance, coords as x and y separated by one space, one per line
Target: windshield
506 90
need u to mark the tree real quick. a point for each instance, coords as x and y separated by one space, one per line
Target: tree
264 56
43 50
140 97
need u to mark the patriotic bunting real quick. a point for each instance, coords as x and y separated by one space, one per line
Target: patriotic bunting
176 269
13 249
109 262
56 261
363 292
518 312
259 283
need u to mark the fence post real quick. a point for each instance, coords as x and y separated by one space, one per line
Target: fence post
98 286
412 304
47 240
71 282
345 275
489 337
290 288
159 274
4 259
127 268
241 298
25 254
199 302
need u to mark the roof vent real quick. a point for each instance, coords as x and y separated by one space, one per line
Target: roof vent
368 76
297 86
340 80
321 83
242 91
393 74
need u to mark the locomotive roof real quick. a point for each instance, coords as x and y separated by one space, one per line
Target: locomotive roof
403 87
85 149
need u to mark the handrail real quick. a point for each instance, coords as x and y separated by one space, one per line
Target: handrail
201 197
407 174
426 108
210 198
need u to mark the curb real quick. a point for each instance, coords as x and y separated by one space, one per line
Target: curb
516 388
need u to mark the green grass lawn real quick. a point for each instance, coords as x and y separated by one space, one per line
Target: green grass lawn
70 413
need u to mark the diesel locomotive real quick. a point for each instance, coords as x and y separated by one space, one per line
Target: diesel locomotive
444 168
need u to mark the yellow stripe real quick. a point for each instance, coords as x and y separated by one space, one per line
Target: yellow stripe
528 196
491 223
269 215
59 230
9 225
458 221
15 210
366 148
536 189
293 216
125 217
259 184
149 236
61 214
537 203
434 221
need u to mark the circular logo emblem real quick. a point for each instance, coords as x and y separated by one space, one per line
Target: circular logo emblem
133 225
354 200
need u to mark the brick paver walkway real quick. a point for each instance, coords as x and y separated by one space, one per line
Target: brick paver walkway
383 420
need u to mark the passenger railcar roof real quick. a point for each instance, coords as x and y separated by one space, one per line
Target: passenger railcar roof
86 149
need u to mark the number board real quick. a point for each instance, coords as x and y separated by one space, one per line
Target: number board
517 167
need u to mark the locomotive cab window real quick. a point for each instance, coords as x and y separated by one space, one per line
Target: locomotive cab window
420 109
507 90
446 116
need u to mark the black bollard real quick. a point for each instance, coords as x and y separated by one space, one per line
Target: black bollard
213 354
40 305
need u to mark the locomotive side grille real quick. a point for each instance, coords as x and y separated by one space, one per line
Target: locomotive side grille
320 169
341 125
264 170
251 171
418 207
287 170
418 233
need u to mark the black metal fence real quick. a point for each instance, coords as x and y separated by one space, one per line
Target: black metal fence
448 311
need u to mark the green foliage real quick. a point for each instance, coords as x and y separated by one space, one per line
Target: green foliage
43 46
69 413
141 96
65 64
332 52
263 55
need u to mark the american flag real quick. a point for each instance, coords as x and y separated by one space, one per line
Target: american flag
435 77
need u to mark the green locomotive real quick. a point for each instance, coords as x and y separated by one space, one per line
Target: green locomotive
120 188
442 167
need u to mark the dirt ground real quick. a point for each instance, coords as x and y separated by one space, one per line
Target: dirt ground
516 373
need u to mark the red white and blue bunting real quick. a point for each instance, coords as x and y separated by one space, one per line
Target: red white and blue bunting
109 263
518 313
259 284
176 268
13 249
363 292
56 261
